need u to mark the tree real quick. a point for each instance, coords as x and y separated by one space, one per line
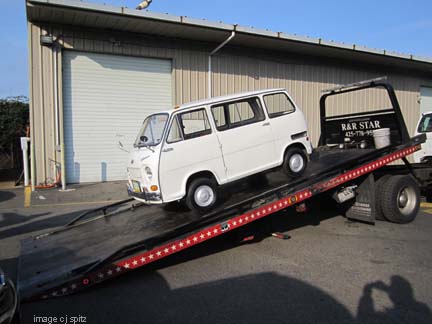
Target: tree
14 118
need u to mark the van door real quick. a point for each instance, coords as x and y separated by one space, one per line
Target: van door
245 137
191 146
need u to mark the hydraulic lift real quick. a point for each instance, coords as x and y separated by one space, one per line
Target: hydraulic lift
112 240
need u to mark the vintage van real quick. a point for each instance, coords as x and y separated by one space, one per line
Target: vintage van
187 153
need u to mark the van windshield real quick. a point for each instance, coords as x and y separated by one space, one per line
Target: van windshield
425 125
152 130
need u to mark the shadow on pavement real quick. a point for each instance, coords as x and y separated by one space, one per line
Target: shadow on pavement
405 308
146 297
6 195
32 226
9 219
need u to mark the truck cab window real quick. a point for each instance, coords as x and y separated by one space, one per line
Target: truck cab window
425 125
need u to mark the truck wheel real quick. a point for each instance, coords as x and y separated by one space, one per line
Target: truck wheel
379 184
400 199
202 195
295 162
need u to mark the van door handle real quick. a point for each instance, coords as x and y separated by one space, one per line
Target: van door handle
168 149
266 124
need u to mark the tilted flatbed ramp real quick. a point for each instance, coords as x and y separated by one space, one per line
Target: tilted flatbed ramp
94 250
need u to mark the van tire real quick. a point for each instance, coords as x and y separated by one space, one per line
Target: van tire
292 165
205 189
400 199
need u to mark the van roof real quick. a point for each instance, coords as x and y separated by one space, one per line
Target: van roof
212 100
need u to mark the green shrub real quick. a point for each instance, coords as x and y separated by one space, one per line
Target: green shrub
14 118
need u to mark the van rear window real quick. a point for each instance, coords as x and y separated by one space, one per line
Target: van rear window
278 104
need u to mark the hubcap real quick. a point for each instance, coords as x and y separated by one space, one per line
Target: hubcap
296 163
204 196
406 200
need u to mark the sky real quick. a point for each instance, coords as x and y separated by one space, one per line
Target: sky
396 25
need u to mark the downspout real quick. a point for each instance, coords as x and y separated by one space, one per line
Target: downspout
31 107
41 107
209 74
56 113
59 136
59 146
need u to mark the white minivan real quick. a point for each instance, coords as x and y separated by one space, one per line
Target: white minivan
424 126
188 152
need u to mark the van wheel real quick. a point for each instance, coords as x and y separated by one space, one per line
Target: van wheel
295 162
400 199
202 195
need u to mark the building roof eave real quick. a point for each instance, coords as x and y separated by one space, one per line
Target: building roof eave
85 14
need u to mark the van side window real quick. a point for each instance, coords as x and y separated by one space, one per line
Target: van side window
240 112
174 135
278 104
194 124
219 117
237 113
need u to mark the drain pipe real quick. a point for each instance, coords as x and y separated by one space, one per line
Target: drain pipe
59 138
209 74
55 81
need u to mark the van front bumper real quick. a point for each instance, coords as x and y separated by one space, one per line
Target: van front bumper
147 197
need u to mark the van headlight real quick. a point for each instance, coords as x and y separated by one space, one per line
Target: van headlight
148 173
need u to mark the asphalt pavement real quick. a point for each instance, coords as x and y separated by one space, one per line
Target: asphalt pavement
330 271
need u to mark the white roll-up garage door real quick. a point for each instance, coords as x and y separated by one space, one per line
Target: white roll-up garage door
105 100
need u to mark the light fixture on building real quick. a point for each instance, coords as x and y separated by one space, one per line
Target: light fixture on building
46 40
144 4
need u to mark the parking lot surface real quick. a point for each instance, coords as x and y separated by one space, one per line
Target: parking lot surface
330 271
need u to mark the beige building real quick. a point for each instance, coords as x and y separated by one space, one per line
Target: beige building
97 71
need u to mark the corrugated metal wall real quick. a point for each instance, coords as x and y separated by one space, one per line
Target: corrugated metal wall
232 73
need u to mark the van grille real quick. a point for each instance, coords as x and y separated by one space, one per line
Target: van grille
135 173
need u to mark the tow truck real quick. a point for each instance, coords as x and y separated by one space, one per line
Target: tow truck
106 242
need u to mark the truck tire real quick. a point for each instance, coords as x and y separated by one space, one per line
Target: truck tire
202 195
379 184
400 199
295 162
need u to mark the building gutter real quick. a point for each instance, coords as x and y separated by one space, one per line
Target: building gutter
209 74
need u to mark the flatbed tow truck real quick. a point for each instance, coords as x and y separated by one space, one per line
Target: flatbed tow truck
106 242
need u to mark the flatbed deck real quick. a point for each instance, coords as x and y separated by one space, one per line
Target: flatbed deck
50 260
102 244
